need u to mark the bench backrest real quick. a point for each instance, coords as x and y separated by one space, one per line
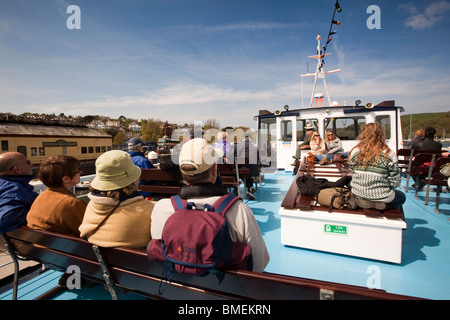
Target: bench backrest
131 269
438 177
423 162
404 156
167 183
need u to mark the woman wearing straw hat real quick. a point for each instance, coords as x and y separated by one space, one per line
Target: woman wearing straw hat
117 215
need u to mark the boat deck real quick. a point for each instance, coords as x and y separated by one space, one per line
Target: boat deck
425 251
423 272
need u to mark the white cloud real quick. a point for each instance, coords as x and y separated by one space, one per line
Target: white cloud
433 13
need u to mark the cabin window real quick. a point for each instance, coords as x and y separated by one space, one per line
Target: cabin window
41 151
91 149
5 145
267 132
97 149
33 151
286 130
385 123
347 128
83 150
301 123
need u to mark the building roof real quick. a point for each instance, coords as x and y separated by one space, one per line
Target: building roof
17 129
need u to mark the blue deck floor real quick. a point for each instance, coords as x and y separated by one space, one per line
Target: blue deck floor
425 267
422 273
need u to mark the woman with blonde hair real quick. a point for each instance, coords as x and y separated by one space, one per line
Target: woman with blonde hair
334 146
376 172
317 146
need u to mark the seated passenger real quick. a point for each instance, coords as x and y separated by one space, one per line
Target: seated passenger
223 144
317 146
153 158
57 209
334 147
428 142
139 159
198 164
247 156
16 193
117 215
376 172
304 146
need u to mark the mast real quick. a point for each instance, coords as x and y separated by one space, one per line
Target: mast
320 73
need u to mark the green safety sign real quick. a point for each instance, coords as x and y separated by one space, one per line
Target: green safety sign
329 228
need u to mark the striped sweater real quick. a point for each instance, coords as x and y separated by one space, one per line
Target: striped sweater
378 181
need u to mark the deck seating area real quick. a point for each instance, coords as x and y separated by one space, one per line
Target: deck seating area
424 164
123 269
130 270
168 183
294 200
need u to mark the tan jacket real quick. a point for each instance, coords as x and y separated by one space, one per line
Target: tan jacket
57 210
128 226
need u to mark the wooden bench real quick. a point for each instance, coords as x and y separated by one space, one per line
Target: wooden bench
129 269
407 156
365 233
231 176
294 200
167 183
421 165
436 178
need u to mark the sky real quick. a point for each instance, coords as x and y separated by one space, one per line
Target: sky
184 61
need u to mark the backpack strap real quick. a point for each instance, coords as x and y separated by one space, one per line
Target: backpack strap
178 203
181 204
224 203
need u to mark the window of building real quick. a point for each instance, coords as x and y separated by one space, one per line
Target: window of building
5 145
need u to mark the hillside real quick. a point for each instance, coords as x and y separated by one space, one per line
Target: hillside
438 120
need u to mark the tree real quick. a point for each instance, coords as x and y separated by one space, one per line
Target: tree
211 123
119 138
151 129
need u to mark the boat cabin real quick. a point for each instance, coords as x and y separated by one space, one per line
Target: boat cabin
280 132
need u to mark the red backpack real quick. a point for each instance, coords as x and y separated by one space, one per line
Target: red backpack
195 240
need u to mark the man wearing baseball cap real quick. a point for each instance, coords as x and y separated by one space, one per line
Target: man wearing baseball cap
198 165
139 159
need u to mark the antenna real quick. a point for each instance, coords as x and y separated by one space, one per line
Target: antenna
321 58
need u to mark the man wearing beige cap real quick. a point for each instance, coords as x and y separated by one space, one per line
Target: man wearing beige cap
198 165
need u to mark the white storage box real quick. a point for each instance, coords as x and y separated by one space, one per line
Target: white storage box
375 238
